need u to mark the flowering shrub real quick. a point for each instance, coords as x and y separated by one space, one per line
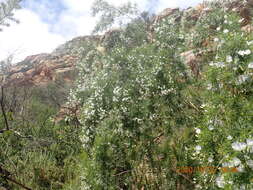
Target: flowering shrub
142 116
224 137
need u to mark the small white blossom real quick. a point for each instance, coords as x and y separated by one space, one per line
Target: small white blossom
198 131
210 127
251 149
242 78
219 64
227 164
236 161
247 52
241 20
238 146
220 181
198 148
250 163
216 39
210 159
218 29
250 66
240 168
249 142
229 59
249 43
209 86
244 52
225 31
229 137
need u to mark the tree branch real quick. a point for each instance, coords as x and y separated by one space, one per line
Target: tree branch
2 108
6 175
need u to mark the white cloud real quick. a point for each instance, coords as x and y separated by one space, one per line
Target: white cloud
76 19
32 36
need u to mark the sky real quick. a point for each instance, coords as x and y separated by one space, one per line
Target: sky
45 24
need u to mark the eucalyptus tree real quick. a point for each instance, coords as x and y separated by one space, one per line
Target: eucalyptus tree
110 14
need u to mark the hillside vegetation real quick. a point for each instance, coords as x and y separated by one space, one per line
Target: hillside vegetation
164 102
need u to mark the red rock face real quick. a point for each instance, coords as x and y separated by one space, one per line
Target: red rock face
41 69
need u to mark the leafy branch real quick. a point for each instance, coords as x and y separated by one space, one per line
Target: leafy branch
110 14
6 12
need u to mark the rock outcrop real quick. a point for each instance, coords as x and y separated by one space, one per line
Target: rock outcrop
40 69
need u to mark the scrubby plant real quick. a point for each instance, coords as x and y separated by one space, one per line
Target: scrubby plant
143 116
224 136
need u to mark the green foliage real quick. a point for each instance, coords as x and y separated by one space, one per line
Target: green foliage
110 15
135 98
142 116
47 158
228 109
6 12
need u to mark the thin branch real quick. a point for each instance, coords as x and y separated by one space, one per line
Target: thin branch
6 175
122 173
158 137
184 176
2 108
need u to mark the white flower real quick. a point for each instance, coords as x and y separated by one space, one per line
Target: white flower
198 131
216 39
249 43
244 52
226 16
229 59
227 164
250 66
218 29
210 159
250 163
218 64
240 168
247 52
241 52
220 181
251 149
236 161
239 146
249 142
229 137
225 31
240 21
203 106
210 127
242 78
209 86
198 148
